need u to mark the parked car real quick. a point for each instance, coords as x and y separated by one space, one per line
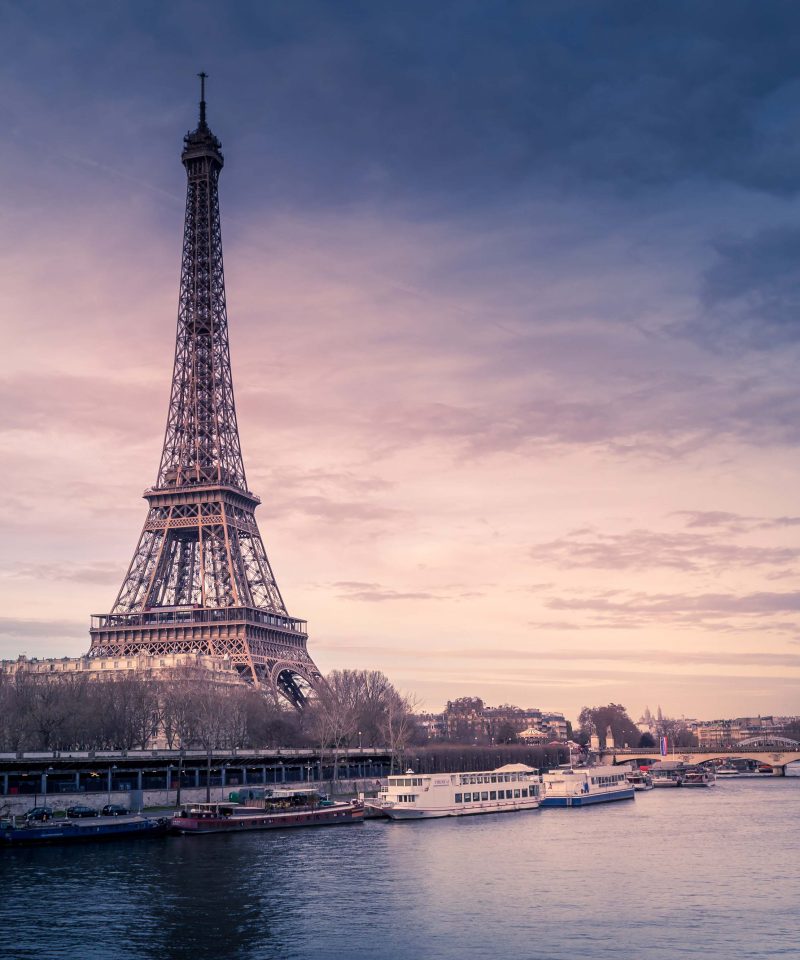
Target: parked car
39 813
79 810
115 810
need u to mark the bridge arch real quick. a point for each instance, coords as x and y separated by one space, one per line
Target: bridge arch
778 756
768 742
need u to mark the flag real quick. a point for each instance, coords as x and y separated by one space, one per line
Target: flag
663 746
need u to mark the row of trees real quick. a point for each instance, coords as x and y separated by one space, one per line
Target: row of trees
184 709
363 708
63 712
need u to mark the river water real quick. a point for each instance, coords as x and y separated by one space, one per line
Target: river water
712 873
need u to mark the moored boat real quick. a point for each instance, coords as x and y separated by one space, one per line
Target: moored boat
78 831
668 773
698 777
639 780
584 787
280 811
424 796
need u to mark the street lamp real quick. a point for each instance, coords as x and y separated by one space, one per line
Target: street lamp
180 777
359 740
110 776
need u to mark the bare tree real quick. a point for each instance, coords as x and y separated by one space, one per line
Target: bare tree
333 715
399 726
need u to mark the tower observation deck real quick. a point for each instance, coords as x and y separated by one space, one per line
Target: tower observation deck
200 580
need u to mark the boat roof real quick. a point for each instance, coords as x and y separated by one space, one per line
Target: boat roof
209 806
515 768
600 771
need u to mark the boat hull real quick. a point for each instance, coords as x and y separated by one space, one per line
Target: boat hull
85 831
327 816
403 813
588 799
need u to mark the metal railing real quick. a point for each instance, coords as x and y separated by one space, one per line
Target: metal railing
188 615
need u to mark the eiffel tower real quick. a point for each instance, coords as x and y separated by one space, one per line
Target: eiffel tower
200 580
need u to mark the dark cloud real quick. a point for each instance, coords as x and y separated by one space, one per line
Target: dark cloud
335 497
643 608
645 655
733 522
22 629
98 572
373 100
323 508
647 549
375 593
751 293
623 424
474 99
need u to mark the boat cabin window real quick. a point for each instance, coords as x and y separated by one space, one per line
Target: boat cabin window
492 794
607 781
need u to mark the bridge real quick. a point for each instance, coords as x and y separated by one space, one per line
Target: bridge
777 752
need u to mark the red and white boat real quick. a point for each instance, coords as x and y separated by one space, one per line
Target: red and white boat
277 813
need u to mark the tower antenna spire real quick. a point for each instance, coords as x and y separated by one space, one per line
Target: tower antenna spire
202 76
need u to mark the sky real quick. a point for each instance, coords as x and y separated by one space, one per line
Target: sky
513 295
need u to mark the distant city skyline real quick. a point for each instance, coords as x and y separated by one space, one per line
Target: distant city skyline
513 304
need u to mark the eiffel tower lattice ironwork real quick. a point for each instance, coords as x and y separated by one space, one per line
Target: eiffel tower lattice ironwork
200 580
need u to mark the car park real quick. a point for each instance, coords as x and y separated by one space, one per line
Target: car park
79 810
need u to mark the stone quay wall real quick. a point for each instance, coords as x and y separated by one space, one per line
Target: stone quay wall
136 800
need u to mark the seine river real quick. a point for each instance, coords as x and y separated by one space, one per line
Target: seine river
711 873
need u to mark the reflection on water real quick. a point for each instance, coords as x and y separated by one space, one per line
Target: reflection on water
676 873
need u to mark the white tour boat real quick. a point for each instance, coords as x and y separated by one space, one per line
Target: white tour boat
417 796
580 788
